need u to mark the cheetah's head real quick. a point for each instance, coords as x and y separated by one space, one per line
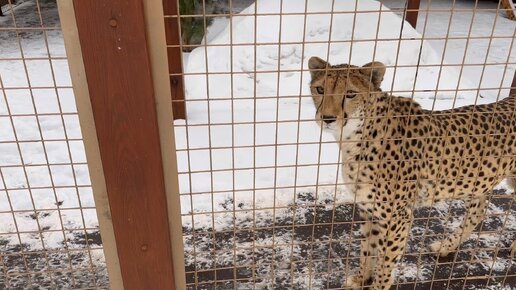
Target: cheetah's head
339 90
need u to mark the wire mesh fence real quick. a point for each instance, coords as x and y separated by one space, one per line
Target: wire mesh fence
264 203
49 237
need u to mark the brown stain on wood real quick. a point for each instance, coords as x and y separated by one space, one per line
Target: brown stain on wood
116 60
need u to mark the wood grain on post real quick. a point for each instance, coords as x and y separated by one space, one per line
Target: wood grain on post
116 61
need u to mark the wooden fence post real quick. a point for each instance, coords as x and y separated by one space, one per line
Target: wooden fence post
91 146
116 61
157 45
173 36
412 12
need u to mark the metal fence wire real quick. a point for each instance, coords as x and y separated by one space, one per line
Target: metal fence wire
264 204
49 237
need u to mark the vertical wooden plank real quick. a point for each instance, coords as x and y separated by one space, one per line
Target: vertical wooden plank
170 7
175 68
157 44
412 12
91 146
116 61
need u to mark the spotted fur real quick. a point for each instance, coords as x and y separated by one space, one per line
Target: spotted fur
396 156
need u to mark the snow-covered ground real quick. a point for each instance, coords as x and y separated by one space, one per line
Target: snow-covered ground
53 232
245 163
257 106
255 166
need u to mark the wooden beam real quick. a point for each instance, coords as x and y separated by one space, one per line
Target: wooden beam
89 135
412 12
157 45
116 62
175 68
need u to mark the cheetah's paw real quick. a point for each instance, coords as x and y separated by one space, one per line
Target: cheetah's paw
440 247
355 282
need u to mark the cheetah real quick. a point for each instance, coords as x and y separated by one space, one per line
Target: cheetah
396 156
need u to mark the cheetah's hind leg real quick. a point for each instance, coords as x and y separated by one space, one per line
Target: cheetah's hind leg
475 212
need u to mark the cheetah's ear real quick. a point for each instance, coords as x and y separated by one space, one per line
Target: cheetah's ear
375 71
317 66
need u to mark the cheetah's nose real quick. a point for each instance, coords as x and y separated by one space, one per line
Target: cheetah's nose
329 119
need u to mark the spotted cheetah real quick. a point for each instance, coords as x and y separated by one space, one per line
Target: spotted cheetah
396 156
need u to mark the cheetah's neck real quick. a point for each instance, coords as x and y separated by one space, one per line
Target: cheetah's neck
350 134
352 129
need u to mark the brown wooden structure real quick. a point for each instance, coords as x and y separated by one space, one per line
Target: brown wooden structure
116 60
412 12
173 36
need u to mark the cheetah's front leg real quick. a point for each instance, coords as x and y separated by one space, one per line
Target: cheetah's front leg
474 215
368 253
391 245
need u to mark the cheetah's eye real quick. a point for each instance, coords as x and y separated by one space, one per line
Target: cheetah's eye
320 90
351 94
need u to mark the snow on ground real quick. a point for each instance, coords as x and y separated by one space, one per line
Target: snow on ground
258 164
252 96
228 218
316 247
59 239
